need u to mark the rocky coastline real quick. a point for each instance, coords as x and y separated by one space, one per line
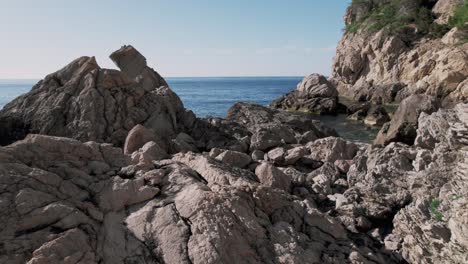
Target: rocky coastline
107 166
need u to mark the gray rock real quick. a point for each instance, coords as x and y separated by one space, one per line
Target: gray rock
404 123
234 158
271 176
88 103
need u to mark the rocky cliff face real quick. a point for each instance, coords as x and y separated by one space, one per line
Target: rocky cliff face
392 49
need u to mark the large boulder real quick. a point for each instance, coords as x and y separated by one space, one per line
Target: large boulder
86 102
313 94
404 123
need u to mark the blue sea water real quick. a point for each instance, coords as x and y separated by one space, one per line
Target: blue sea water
213 96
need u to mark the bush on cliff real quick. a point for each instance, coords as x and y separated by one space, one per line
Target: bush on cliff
398 17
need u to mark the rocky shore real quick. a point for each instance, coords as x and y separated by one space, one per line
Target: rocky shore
107 166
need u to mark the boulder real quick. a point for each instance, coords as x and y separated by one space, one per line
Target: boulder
313 94
137 137
234 158
331 149
271 176
404 123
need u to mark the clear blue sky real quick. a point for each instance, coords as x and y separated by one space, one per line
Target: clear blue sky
178 38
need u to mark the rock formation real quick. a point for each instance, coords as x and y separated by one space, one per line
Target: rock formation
392 49
106 166
314 94
86 102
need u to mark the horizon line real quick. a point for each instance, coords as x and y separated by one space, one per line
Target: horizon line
181 76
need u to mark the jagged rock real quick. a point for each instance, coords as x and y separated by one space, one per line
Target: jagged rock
86 102
314 94
271 176
277 155
149 152
404 123
271 128
385 67
331 149
295 154
234 158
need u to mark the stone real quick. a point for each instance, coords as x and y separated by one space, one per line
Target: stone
387 68
276 155
183 143
313 94
151 151
88 103
234 158
137 137
258 155
331 149
376 116
269 175
295 154
404 123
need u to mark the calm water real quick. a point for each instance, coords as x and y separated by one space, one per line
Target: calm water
213 96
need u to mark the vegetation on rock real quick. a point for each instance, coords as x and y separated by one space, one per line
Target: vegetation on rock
403 17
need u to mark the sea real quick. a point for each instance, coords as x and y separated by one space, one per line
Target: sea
213 96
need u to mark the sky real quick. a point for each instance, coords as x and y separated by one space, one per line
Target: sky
178 37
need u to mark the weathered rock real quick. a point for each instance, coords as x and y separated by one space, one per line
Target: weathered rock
313 94
150 152
234 158
410 60
86 102
277 155
183 143
295 154
271 176
271 128
404 123
137 137
331 149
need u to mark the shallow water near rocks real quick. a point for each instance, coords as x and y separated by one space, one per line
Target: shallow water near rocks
213 96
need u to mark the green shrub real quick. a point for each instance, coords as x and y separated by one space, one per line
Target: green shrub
460 17
434 206
396 16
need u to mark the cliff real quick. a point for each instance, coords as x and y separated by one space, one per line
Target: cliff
394 48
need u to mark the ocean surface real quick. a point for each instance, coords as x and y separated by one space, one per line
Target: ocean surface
213 96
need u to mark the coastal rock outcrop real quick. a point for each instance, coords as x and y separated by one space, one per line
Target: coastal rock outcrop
392 49
86 102
314 94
